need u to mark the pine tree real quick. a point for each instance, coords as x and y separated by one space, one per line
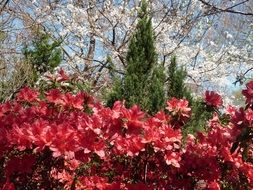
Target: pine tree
143 82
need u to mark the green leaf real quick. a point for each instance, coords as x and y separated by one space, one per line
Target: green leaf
234 147
245 153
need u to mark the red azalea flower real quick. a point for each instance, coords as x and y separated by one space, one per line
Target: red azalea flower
214 186
62 76
231 110
126 145
93 182
8 185
249 115
59 77
28 95
248 93
75 101
213 99
179 107
21 164
239 117
54 96
172 158
4 108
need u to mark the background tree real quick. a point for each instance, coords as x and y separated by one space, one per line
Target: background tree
143 82
213 39
177 88
176 82
43 54
207 40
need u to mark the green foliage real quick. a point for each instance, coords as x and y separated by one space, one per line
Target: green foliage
73 84
43 54
143 82
200 115
15 80
116 93
176 86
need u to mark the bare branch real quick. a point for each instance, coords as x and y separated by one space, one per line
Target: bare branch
4 5
216 9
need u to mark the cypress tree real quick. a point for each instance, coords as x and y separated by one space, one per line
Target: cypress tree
176 86
143 82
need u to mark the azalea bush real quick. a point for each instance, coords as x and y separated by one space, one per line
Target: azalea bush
61 140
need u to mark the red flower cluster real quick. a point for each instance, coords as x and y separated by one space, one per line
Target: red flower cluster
248 93
59 77
64 146
179 109
213 99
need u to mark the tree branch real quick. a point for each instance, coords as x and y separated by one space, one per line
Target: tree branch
4 5
240 78
228 10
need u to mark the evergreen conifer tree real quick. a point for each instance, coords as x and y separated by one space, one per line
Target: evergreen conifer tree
43 54
176 86
143 82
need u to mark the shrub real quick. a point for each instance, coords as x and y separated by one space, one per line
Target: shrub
61 140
